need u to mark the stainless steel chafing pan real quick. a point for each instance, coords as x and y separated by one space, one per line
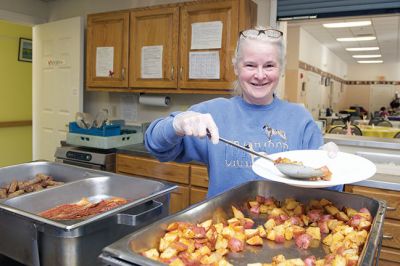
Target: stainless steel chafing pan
127 250
34 240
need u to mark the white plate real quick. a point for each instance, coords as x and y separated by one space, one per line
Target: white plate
345 167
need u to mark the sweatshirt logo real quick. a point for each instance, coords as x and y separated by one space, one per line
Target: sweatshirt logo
270 132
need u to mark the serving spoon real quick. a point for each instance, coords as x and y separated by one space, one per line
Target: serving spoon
288 169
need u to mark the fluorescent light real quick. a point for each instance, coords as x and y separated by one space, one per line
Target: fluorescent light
370 61
354 39
347 24
356 49
367 55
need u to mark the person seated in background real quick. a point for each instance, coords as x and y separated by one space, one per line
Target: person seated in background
255 117
383 112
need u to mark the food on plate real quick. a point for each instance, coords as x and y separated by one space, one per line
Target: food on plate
82 209
316 223
16 188
327 174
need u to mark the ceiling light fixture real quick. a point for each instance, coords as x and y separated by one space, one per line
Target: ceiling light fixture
367 55
370 61
347 24
356 49
354 39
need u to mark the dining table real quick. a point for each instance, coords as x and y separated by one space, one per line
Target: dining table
377 131
361 122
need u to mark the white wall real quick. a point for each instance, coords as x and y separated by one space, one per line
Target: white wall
313 53
390 72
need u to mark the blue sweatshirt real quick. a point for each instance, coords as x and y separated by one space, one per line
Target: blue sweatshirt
277 127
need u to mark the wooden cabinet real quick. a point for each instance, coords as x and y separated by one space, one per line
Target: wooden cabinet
178 173
167 30
390 252
107 40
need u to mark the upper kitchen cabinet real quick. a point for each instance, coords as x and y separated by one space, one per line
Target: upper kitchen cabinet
187 47
107 50
154 48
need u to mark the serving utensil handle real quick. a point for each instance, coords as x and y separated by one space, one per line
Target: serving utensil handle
133 220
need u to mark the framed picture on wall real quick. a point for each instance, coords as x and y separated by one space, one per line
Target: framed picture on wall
25 50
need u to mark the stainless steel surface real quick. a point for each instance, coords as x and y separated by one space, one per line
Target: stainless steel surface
87 157
41 241
380 158
148 237
290 170
362 141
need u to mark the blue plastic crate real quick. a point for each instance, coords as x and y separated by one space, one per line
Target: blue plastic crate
104 131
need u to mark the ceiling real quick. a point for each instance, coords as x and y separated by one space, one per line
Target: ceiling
385 28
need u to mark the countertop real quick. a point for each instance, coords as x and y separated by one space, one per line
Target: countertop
379 180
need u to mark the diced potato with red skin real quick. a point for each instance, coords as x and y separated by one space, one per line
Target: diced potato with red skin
341 216
151 254
271 235
299 209
314 204
270 224
295 262
235 245
332 224
219 227
222 251
228 231
179 246
224 262
237 213
314 232
234 221
325 202
289 233
250 233
254 204
264 208
206 224
291 204
189 243
320 262
168 253
349 211
305 219
247 223
177 262
332 210
261 231
339 261
298 230
255 241
260 199
221 243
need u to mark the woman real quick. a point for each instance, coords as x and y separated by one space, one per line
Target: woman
255 117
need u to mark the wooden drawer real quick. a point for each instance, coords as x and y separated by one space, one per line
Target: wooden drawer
141 166
197 195
179 199
389 257
199 175
392 228
392 198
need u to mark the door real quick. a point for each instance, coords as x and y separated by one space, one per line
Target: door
107 50
57 82
154 36
313 93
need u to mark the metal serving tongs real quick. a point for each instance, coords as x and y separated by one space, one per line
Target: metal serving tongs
296 171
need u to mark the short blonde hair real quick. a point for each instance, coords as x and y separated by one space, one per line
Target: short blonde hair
277 41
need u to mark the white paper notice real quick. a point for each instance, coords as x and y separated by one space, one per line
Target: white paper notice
104 61
206 35
151 67
204 65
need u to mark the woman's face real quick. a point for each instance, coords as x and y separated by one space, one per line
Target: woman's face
258 71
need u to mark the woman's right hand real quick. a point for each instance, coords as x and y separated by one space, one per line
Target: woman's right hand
195 124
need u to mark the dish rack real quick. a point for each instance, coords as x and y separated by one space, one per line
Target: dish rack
106 137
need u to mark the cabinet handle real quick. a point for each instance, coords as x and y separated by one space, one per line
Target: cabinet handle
172 72
123 73
387 237
180 73
388 208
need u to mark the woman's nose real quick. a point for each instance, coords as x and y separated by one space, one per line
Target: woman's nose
260 73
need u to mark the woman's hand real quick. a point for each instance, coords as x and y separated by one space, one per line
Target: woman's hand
331 148
195 124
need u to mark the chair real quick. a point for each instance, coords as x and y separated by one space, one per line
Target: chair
384 123
337 122
353 118
355 130
397 136
337 130
374 121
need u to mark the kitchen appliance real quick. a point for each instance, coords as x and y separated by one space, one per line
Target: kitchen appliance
126 251
34 240
92 158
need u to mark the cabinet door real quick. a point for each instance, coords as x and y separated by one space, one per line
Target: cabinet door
179 199
197 195
226 12
199 175
107 47
152 29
